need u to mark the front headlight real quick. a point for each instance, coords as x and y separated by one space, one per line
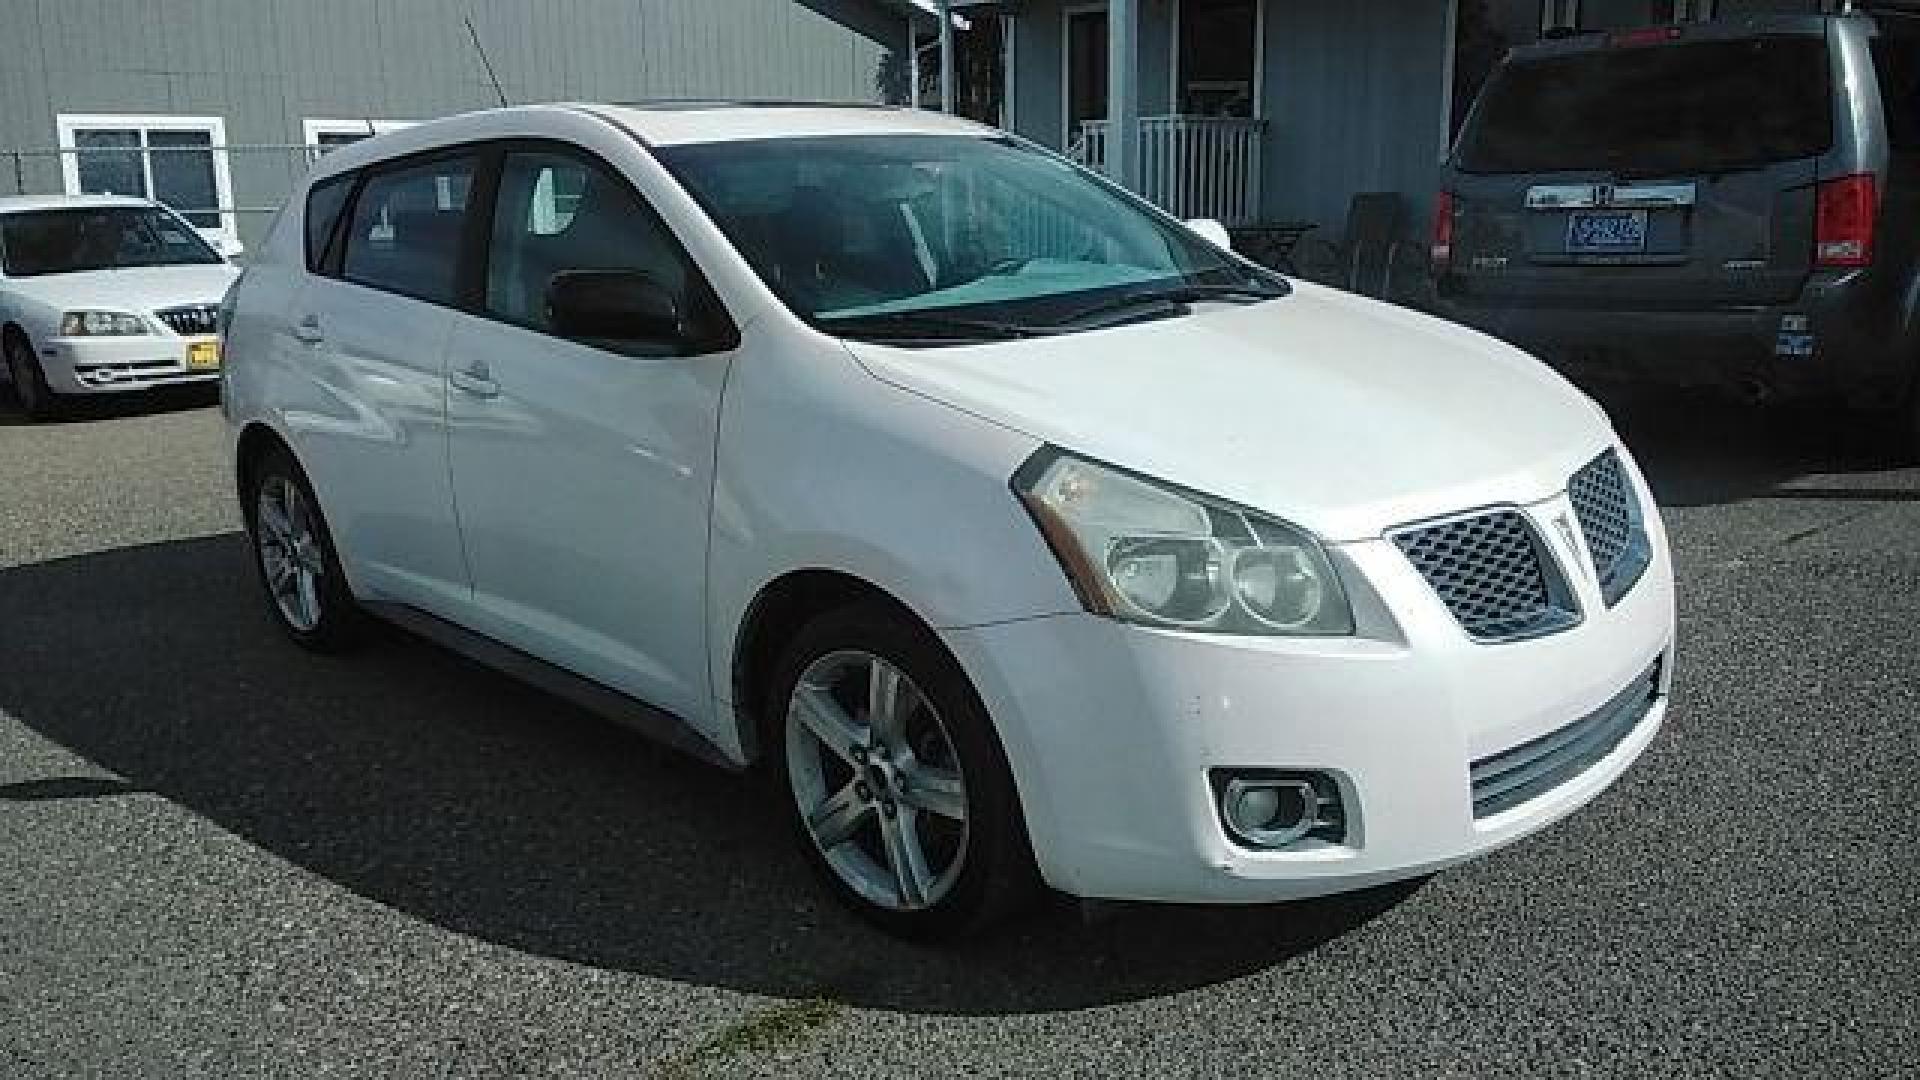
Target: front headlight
102 324
1149 553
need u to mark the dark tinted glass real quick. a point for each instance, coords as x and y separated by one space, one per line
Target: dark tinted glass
1897 61
557 213
324 204
404 235
1665 108
95 238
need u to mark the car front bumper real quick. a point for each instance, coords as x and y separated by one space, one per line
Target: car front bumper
1112 731
107 365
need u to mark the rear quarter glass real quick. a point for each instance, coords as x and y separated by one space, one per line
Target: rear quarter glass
325 200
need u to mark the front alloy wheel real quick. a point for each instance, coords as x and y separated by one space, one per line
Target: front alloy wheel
876 780
901 794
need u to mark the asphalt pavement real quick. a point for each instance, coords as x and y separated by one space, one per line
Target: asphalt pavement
220 856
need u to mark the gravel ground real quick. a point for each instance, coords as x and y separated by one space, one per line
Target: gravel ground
219 856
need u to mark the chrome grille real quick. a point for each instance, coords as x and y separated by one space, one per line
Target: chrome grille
191 321
1492 573
1609 515
1504 780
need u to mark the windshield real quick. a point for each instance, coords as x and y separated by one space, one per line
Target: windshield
918 235
67 241
1669 108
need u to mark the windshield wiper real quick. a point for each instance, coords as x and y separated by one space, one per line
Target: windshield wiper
927 326
1173 301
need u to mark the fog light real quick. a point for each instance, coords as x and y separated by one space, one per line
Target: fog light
1276 810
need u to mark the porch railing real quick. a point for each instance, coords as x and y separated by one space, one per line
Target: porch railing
1190 166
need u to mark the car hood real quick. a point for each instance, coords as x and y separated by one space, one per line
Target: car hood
131 288
1340 414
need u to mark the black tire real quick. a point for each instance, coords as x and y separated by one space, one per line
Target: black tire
995 875
30 388
340 623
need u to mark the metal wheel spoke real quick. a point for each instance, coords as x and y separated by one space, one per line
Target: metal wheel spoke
905 858
836 820
828 722
273 518
888 700
309 595
935 790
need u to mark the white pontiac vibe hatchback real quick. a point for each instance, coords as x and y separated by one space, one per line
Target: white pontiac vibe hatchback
1025 535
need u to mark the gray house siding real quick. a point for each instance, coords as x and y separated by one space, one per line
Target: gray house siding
266 65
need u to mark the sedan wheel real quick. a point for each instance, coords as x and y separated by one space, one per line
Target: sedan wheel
877 781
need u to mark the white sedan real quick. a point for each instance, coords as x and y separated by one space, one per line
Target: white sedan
101 294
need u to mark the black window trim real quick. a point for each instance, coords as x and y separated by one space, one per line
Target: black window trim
724 335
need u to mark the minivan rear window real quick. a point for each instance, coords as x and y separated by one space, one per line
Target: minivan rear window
1690 107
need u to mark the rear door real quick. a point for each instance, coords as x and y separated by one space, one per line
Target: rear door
1649 172
371 422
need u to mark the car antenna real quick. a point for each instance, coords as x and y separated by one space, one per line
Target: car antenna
484 61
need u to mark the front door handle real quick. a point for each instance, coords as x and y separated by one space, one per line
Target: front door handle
475 383
308 330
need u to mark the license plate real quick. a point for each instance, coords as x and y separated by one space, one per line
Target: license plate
1606 231
203 355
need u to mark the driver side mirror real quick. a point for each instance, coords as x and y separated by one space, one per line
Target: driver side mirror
1211 231
614 305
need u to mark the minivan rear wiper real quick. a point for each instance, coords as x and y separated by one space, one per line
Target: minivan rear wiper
927 326
1173 301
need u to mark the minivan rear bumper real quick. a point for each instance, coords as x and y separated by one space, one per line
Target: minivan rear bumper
1838 341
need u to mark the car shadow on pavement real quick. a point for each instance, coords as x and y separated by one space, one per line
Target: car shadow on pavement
84 410
488 808
1701 450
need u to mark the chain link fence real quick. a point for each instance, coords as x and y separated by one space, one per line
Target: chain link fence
229 192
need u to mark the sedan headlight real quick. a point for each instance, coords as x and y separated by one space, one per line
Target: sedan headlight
1149 553
102 324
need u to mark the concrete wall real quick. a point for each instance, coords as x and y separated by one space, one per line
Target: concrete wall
264 65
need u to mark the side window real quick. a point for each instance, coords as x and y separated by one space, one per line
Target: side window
324 202
405 229
1897 60
558 212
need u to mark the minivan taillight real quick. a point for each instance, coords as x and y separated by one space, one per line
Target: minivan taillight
1443 230
1844 214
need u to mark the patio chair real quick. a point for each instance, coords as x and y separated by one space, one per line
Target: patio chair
1365 256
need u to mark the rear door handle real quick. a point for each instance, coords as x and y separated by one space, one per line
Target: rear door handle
475 383
308 330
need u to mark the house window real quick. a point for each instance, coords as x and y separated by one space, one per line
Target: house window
321 134
1218 46
177 160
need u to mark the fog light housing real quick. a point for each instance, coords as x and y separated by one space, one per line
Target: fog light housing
1269 809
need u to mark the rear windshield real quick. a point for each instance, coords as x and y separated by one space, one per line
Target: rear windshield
1703 106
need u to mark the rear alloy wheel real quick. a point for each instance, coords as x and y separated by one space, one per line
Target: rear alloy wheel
294 554
30 387
900 792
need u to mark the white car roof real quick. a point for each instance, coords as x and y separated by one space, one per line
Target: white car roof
659 123
11 204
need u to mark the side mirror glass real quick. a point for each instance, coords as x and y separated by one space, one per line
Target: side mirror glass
1211 231
613 305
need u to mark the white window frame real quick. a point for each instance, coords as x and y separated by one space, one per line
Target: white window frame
68 125
312 127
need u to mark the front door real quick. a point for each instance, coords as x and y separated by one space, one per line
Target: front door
1086 69
582 470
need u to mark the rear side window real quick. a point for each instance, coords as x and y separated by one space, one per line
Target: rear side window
1698 106
405 229
1897 61
324 203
